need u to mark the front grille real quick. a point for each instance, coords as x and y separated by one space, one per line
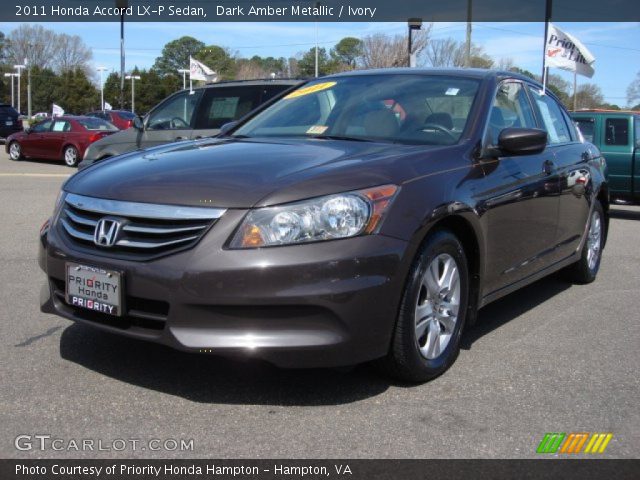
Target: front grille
145 231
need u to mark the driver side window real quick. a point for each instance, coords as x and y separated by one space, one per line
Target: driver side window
511 108
176 113
42 127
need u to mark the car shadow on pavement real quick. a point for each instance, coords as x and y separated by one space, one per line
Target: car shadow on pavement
625 214
502 311
211 379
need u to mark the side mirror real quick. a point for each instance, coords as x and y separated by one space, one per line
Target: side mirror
227 127
522 141
138 123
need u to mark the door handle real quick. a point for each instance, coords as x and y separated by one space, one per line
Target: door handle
548 167
199 137
178 139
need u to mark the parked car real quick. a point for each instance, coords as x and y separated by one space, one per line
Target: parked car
60 138
617 135
190 115
9 121
122 119
362 216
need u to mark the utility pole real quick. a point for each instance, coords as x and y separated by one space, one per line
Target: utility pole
547 19
413 24
101 69
184 72
133 79
122 5
28 88
12 76
467 58
19 68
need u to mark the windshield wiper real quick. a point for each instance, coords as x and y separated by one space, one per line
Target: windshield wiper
342 137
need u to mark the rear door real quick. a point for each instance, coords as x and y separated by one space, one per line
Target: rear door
171 121
571 166
54 139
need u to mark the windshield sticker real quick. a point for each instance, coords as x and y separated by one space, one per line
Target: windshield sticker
312 89
452 91
317 130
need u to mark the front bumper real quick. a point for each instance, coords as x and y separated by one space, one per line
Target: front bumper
315 305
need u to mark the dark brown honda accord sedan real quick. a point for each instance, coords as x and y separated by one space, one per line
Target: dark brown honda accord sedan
362 216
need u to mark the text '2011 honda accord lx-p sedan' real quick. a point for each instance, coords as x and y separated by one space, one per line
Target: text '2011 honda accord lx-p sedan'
363 216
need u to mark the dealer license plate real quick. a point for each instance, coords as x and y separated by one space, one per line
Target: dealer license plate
9 122
94 288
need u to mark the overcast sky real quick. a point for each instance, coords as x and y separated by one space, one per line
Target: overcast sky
616 46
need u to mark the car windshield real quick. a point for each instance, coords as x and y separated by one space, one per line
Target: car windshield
91 123
397 108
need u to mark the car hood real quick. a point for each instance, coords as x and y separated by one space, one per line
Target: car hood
242 173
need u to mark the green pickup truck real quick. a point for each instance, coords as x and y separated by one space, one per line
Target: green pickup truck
617 135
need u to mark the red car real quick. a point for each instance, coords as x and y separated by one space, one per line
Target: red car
57 138
122 119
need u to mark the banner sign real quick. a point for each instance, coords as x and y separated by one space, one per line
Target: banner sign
567 52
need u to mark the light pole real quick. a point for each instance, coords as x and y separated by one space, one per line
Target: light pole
101 69
19 68
12 75
316 52
414 24
133 79
184 72
122 5
26 62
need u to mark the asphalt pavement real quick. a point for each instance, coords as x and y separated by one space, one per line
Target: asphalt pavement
553 357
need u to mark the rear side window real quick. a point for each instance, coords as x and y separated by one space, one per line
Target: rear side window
616 131
224 105
552 118
96 124
126 115
61 126
587 128
637 124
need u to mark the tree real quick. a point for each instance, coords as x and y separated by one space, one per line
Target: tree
633 91
589 95
383 51
307 63
175 55
218 59
75 92
72 53
45 85
32 42
347 51
440 53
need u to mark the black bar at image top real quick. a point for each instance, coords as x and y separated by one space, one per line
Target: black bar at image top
312 11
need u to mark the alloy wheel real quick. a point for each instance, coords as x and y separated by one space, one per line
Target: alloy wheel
14 151
594 240
70 156
437 306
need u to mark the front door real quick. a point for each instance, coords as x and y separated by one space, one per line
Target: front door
519 198
171 121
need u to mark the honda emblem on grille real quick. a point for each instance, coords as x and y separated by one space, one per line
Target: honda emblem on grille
106 232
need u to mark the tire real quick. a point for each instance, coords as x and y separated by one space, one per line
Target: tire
15 151
70 156
586 269
418 354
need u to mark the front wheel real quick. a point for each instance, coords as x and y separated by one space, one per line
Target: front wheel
432 313
15 151
70 156
586 269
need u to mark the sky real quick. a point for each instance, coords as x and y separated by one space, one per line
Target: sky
616 46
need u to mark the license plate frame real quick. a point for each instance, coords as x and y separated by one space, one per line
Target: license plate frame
102 293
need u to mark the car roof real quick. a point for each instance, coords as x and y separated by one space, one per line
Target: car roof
252 83
602 111
478 73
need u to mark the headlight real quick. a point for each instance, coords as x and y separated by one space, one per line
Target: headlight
325 218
